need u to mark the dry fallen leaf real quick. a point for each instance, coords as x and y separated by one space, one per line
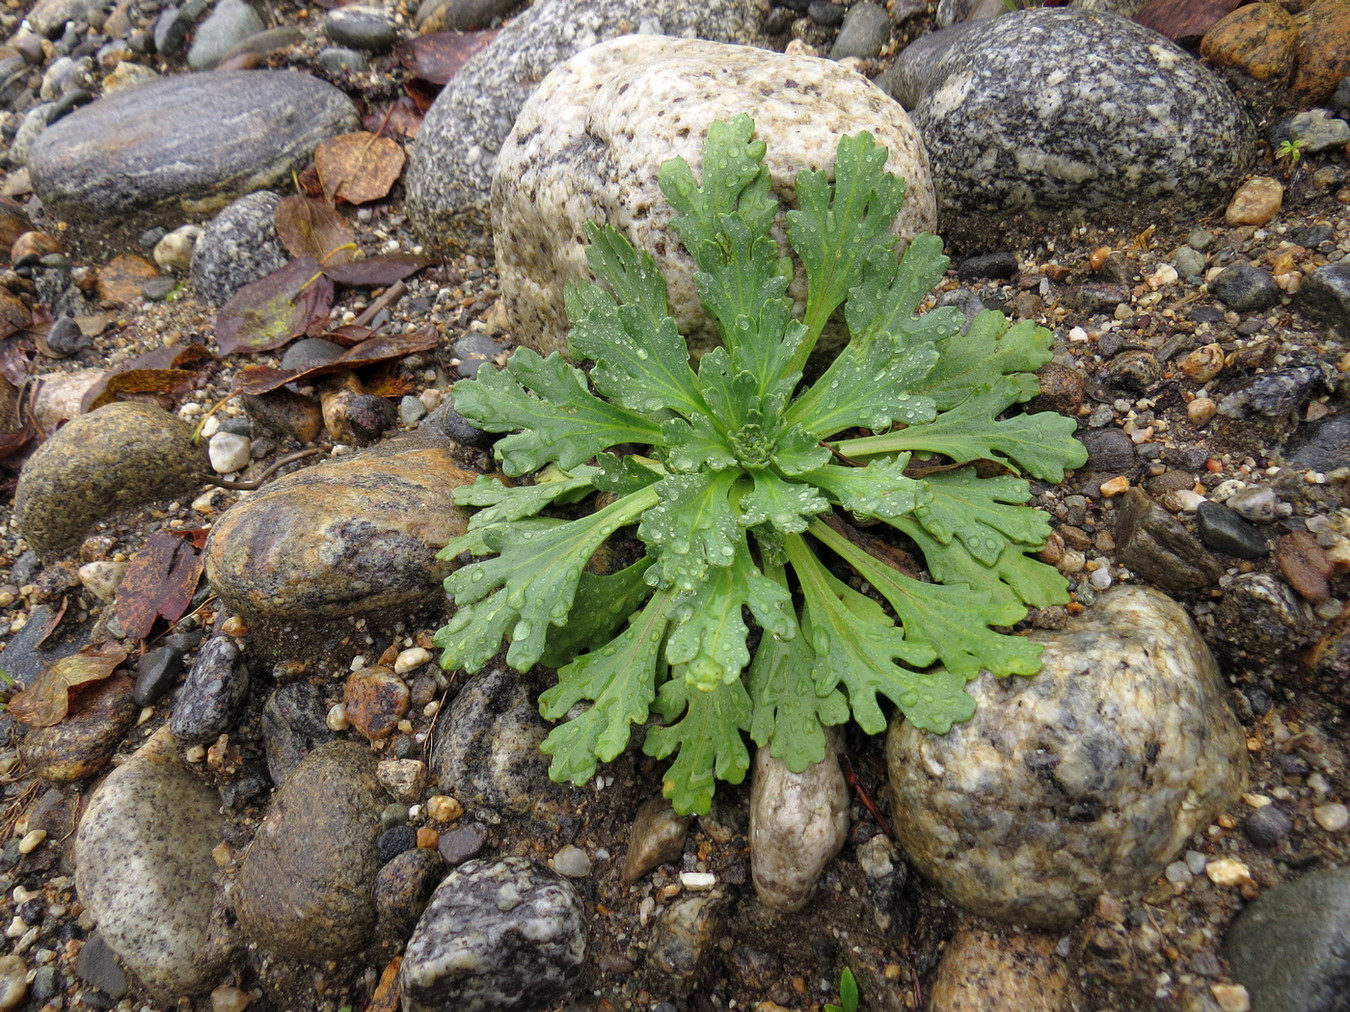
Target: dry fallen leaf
314 229
377 271
46 702
438 56
122 279
358 167
382 348
267 313
160 581
166 373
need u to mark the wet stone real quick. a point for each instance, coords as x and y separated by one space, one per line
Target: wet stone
402 889
1133 370
1267 826
1325 295
230 23
865 30
503 934
1275 394
1244 288
305 887
293 725
461 15
1262 618
96 965
994 970
1288 947
212 694
1222 530
404 779
657 838
1322 446
461 844
186 142
237 246
685 933
1158 548
1305 565
116 458
1068 785
361 27
156 673
1000 266
395 841
154 823
376 700
81 744
1256 503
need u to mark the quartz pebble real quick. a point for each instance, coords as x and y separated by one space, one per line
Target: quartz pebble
572 862
1333 818
229 452
1255 202
1227 871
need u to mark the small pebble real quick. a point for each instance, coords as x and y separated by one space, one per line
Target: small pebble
1333 818
1267 826
572 862
413 657
443 808
1231 997
229 452
1256 202
337 718
228 998
1227 872
1115 486
1201 410
32 840
698 881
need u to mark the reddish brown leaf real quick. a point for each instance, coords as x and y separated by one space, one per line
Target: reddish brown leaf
309 181
422 93
311 228
359 167
186 362
349 336
160 385
267 313
382 348
46 702
12 442
377 271
122 279
403 118
438 56
159 582
1184 19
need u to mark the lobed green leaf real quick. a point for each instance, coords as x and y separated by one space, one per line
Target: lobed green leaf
707 737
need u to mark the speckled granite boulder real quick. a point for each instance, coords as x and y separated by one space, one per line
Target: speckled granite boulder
497 935
238 246
798 822
349 536
306 885
113 459
589 144
1065 108
452 163
153 823
190 142
1086 778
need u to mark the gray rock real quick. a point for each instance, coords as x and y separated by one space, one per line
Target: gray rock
1156 546
173 24
1244 288
450 171
35 120
350 536
590 141
1222 530
1262 617
116 458
462 844
1257 503
402 888
1086 778
487 753
337 60
306 884
184 143
866 29
798 823
153 823
49 17
504 935
1319 130
1277 393
461 15
239 245
1267 826
1323 445
229 24
1325 296
156 673
96 965
293 726
1190 263
1064 108
657 837
1290 948
361 27
686 931
212 694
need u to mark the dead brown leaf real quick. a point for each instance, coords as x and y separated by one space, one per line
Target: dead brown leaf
438 56
1184 19
163 372
122 279
359 167
377 271
159 582
46 702
311 228
267 313
381 348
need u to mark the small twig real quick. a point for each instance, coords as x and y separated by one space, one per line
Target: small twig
255 483
391 295
841 457
851 776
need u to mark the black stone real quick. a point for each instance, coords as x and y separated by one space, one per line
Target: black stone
1325 295
294 723
393 842
64 337
96 966
1222 530
156 673
1245 288
1158 548
1001 266
822 12
1312 235
1322 445
1206 314
1275 394
1267 826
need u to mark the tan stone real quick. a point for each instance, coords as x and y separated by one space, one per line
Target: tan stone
1256 201
1204 363
1259 39
1001 970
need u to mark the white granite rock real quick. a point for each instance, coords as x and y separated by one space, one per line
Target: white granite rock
1086 778
1067 108
153 824
591 140
798 822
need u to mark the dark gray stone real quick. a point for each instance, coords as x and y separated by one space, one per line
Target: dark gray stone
294 725
1291 948
306 884
1276 394
461 844
1325 295
449 421
229 24
1222 530
685 933
461 15
1245 288
1323 445
826 12
1001 138
504 935
402 889
239 245
116 458
1267 826
1156 546
338 60
97 966
213 693
395 841
187 142
450 171
866 29
156 673
1002 266
361 27
1262 618
1135 370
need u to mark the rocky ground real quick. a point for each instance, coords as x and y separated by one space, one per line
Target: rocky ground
1178 392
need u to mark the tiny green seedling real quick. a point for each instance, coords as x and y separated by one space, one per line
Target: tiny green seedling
740 481
848 993
1291 151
